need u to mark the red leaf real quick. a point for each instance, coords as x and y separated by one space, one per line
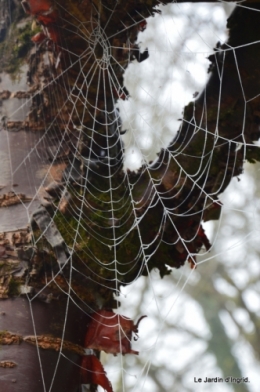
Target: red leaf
142 25
111 333
38 38
201 236
42 9
35 7
93 373
192 261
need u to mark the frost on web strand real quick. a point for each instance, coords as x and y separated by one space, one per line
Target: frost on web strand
98 227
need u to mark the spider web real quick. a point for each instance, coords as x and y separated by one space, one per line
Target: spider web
93 163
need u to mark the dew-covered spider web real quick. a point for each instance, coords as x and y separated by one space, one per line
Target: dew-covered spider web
125 129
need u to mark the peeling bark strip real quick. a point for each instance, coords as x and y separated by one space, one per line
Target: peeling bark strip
7 364
11 198
10 338
47 226
44 342
51 343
